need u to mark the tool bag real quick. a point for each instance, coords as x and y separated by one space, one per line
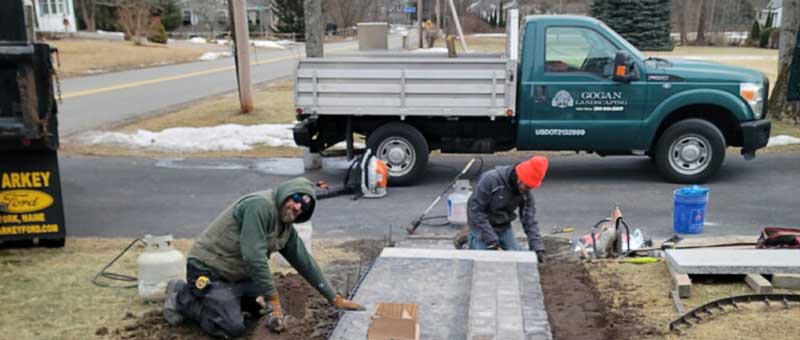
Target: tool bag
772 237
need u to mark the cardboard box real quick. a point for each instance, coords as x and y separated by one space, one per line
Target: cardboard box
394 321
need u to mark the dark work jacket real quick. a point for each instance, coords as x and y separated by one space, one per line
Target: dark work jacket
491 208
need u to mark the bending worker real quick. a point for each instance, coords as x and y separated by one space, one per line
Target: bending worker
491 207
228 272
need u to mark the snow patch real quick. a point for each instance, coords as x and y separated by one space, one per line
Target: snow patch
198 40
267 44
111 34
783 140
213 55
228 137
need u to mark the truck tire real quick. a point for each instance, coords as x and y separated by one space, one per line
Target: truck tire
690 151
404 150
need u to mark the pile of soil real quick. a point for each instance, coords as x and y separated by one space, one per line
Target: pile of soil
578 310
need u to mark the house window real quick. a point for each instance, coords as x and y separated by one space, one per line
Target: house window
44 7
222 17
252 18
187 17
52 7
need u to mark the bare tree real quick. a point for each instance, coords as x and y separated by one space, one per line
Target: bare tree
208 13
88 9
134 17
701 24
679 8
347 13
778 106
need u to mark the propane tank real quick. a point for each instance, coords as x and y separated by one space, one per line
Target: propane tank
159 264
457 202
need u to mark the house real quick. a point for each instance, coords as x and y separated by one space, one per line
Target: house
211 17
775 9
54 16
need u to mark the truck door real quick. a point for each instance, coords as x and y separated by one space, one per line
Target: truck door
571 101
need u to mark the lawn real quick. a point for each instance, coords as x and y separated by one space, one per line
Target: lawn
83 56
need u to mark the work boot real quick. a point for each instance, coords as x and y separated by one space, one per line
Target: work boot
461 239
170 311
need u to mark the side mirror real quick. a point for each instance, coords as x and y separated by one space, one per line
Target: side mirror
622 67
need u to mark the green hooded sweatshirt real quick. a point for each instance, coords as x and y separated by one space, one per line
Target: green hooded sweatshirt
238 243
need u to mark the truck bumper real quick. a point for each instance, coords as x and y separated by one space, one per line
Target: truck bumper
304 131
755 135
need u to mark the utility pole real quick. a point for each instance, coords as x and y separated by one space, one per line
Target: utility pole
437 10
419 21
241 36
313 17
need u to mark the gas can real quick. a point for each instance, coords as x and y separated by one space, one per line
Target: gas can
457 202
159 264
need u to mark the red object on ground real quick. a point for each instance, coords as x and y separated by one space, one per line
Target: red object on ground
772 237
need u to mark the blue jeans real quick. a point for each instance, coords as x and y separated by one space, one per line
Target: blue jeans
505 240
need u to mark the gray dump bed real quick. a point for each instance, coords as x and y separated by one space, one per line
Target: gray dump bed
477 87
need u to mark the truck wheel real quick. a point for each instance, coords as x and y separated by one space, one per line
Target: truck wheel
690 151
404 150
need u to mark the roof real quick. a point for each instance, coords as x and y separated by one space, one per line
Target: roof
562 18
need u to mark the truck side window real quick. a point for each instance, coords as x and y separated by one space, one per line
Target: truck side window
577 49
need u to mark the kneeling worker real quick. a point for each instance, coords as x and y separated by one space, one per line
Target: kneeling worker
228 271
491 207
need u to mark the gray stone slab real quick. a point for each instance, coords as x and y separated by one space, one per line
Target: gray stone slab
534 316
495 310
734 261
440 287
474 255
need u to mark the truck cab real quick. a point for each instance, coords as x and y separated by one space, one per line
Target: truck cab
583 87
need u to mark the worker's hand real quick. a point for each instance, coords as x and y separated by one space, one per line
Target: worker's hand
272 307
344 304
541 256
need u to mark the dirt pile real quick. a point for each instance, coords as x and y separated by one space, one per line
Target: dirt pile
578 310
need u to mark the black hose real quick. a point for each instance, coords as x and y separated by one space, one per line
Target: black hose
115 276
443 224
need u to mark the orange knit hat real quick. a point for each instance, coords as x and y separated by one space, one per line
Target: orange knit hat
532 171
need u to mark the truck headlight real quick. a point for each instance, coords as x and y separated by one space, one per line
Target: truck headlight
753 94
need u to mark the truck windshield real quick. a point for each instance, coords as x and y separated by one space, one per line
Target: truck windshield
636 53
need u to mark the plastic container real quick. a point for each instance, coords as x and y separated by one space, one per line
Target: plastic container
690 210
457 202
159 264
304 230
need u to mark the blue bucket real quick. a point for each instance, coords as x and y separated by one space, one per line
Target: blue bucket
690 210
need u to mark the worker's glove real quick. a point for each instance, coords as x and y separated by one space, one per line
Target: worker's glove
344 304
272 307
541 256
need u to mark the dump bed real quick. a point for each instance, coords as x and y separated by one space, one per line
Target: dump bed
474 87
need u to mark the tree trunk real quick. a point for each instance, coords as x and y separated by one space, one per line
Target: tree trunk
87 13
701 25
778 107
313 13
681 4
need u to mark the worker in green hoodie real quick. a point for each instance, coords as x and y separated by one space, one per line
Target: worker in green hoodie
228 276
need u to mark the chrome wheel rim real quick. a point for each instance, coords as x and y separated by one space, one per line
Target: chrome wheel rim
399 155
690 154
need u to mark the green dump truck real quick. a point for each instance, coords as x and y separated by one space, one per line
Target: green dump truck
566 83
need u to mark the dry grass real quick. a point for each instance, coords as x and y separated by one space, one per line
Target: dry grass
273 104
47 293
766 62
647 286
81 57
478 44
